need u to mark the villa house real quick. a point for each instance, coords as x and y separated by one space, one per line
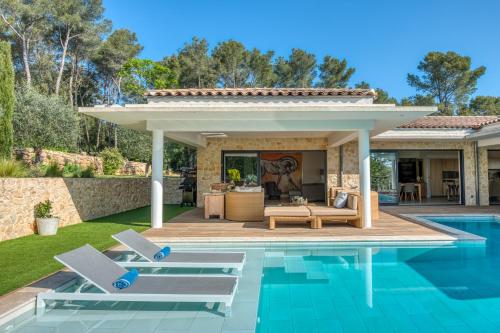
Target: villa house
303 141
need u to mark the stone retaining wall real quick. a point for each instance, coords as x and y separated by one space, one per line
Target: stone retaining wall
74 199
28 155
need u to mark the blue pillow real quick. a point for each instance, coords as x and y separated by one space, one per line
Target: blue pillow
340 200
162 253
127 279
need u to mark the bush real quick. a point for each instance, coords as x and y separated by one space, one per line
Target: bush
112 160
44 122
43 209
88 172
10 168
72 170
52 170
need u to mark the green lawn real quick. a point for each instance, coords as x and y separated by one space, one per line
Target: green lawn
27 259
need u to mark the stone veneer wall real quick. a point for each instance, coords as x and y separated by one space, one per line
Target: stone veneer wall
47 156
209 160
74 199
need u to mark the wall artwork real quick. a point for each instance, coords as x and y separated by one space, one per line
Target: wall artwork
285 169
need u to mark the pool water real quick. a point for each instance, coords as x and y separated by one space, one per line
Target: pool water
386 289
306 287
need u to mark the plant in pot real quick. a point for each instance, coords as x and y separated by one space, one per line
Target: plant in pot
46 223
234 177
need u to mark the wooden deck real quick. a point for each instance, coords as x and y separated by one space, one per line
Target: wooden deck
192 227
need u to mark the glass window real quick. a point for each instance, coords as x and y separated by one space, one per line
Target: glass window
241 168
383 166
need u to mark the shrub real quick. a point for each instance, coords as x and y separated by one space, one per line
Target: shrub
112 160
43 209
52 170
6 100
88 172
72 170
44 122
10 168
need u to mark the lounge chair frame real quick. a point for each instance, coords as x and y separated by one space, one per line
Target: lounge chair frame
227 300
148 263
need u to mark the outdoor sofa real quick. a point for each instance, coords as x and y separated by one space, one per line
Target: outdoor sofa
317 215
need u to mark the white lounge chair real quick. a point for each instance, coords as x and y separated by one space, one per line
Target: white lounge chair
100 271
147 250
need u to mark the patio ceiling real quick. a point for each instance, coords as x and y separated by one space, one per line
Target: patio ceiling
192 123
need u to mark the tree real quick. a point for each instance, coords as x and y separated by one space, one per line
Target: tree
71 19
334 73
418 100
261 69
7 99
140 75
42 121
196 66
447 77
485 105
112 55
382 95
298 71
231 63
27 23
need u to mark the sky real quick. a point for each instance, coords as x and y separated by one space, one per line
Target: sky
384 40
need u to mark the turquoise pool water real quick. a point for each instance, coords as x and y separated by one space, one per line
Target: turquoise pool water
386 289
307 287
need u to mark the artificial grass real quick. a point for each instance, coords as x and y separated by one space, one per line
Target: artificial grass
27 259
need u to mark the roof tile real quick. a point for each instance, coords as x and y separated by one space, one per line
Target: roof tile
264 92
472 122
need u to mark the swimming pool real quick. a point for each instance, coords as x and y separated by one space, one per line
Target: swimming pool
306 287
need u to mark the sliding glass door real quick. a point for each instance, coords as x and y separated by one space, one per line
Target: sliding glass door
384 178
241 168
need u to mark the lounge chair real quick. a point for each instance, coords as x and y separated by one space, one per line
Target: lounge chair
147 250
288 214
351 214
100 271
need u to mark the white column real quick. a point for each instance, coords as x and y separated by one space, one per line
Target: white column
157 180
364 175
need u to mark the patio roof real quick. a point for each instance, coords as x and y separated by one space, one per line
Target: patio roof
192 115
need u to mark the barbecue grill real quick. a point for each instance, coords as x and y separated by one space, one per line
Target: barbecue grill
188 187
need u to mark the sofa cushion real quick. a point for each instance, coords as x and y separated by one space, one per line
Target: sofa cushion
286 211
352 202
340 200
330 211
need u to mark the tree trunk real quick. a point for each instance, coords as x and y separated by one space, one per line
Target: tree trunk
26 63
63 59
98 135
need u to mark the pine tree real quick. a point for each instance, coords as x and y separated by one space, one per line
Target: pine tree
6 100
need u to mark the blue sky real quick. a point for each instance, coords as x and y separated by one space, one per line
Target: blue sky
383 40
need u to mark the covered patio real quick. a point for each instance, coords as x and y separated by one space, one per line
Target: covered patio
290 118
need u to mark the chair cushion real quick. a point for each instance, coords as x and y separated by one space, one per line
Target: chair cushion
331 211
352 202
286 211
340 200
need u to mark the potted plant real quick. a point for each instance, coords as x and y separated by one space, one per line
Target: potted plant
46 223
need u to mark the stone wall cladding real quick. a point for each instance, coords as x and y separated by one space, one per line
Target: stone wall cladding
74 199
47 156
484 191
209 159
